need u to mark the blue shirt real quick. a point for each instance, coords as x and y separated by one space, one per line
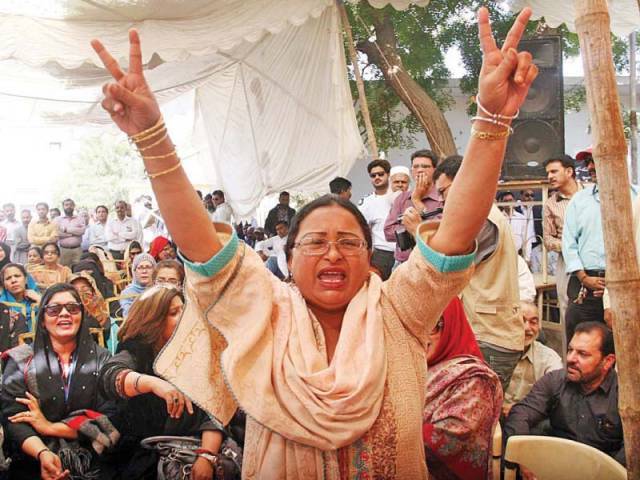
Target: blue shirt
582 235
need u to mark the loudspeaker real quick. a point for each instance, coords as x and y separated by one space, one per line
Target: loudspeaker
538 132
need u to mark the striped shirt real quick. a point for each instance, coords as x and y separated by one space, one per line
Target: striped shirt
553 220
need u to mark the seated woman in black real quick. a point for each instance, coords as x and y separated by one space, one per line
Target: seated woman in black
54 418
150 405
12 324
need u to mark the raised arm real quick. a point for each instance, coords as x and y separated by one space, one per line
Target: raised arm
134 109
505 78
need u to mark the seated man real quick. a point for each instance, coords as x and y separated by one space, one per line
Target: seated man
536 361
580 402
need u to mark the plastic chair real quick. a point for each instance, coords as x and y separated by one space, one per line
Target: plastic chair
551 458
496 452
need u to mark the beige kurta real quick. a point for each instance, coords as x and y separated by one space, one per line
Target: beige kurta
233 345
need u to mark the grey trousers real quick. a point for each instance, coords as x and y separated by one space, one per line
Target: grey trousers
69 256
500 361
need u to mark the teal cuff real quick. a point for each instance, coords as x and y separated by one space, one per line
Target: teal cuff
444 263
216 263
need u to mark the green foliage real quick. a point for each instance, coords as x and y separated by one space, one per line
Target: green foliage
105 169
575 98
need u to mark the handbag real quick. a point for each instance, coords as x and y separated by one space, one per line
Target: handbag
176 456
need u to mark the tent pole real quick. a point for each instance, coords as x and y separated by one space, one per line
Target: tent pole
610 152
353 55
633 117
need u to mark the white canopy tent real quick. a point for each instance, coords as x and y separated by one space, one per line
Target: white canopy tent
272 98
625 14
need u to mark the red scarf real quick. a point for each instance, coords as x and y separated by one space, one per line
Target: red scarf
157 245
456 337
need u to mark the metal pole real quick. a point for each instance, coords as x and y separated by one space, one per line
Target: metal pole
633 118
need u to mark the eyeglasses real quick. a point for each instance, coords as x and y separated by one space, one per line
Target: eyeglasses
54 309
319 246
144 267
377 174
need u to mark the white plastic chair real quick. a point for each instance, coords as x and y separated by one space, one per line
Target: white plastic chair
551 458
496 452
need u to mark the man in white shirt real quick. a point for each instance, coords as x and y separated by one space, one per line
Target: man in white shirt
11 225
96 232
375 208
223 211
121 231
522 230
274 250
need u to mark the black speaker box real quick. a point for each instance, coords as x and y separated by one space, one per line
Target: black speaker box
539 129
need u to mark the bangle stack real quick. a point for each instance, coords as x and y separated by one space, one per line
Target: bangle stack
494 119
156 134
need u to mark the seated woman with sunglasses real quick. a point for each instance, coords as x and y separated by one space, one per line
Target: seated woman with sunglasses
463 404
149 406
53 414
329 369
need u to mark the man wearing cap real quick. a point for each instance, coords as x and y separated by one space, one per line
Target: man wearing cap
561 173
375 208
583 252
424 197
400 178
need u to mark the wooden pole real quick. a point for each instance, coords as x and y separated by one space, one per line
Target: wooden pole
353 55
610 152
633 118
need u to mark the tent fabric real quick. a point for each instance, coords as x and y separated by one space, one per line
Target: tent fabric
625 14
272 105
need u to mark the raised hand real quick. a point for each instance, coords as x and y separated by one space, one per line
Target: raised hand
129 100
506 75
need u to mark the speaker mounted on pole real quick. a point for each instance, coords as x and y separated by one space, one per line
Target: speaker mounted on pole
538 132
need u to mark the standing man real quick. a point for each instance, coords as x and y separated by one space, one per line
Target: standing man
42 230
492 298
583 252
424 197
281 212
70 231
561 172
222 213
522 231
11 225
400 178
97 232
341 187
22 238
375 209
121 230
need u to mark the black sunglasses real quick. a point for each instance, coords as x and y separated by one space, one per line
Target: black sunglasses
377 174
54 309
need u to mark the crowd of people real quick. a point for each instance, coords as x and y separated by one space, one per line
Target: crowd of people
386 339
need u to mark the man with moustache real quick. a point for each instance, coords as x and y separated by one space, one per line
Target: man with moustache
537 359
70 231
581 402
375 208
42 230
400 178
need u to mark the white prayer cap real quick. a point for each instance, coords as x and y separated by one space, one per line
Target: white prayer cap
399 169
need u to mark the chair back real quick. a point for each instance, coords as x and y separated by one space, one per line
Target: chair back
496 452
551 458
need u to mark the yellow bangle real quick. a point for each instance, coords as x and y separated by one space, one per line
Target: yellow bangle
151 176
154 144
159 157
480 135
149 132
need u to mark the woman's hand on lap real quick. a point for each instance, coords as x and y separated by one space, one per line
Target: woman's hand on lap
176 401
51 467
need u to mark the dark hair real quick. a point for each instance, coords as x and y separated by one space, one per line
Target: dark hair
607 346
565 160
339 185
134 244
386 166
281 222
101 206
50 292
503 193
284 193
449 167
219 193
44 204
14 265
37 249
68 200
326 201
56 209
424 153
51 244
173 264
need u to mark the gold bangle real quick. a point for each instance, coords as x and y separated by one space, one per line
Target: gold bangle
154 144
160 157
480 135
151 176
145 133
